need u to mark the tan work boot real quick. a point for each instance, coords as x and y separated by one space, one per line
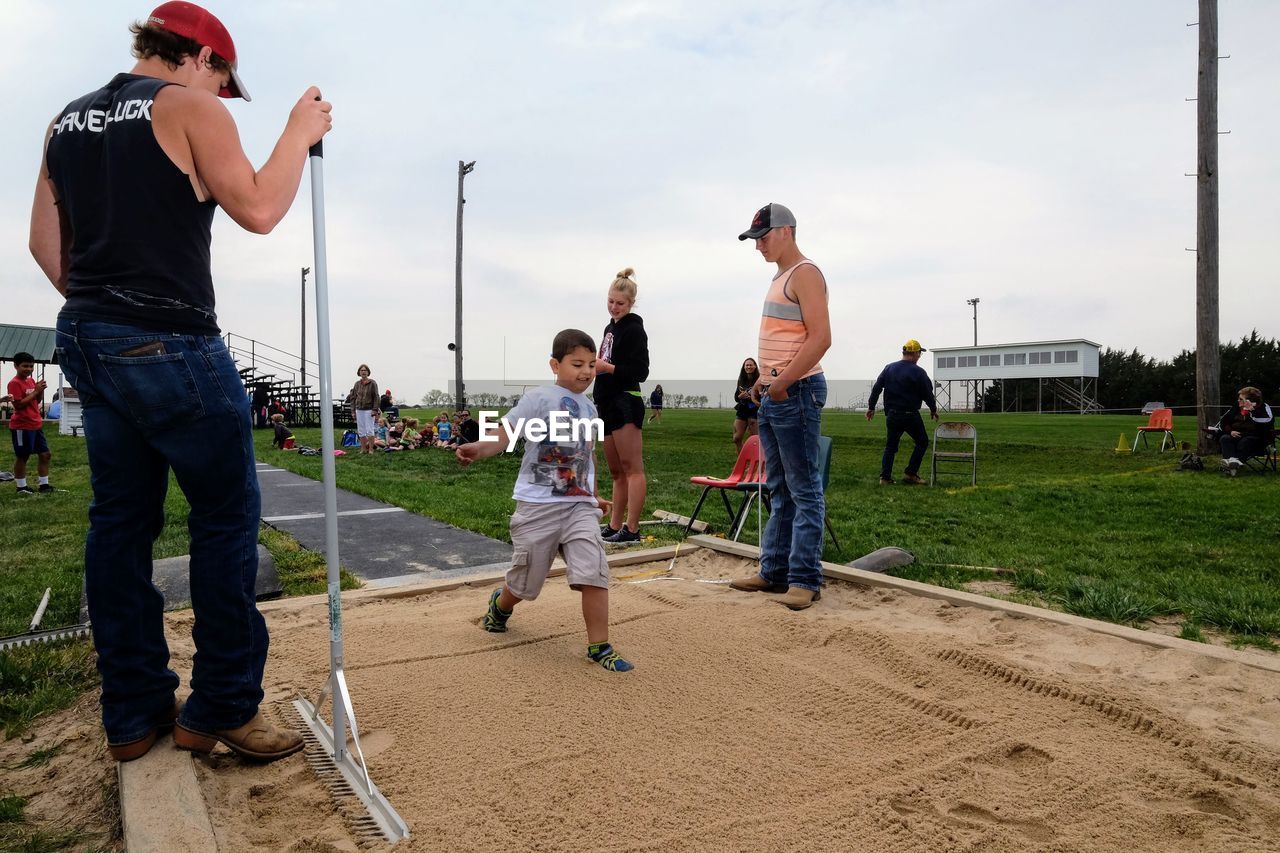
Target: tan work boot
256 739
798 598
755 583
135 749
913 480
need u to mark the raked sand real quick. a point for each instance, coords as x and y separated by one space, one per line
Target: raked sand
875 721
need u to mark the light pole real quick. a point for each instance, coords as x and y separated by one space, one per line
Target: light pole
302 353
974 302
463 170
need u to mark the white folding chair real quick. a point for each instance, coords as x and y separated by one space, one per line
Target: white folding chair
958 434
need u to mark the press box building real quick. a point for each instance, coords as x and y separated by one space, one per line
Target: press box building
1065 374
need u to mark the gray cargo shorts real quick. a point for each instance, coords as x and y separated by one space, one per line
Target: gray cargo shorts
540 531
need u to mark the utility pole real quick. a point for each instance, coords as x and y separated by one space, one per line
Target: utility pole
463 170
1208 395
302 353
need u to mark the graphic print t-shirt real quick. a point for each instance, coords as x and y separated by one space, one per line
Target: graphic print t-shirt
552 471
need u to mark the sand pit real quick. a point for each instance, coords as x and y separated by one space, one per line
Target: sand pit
874 721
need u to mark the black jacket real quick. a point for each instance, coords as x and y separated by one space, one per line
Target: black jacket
626 346
1259 423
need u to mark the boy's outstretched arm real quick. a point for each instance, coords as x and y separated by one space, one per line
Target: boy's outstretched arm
484 448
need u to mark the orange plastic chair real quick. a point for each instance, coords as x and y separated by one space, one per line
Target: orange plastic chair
747 471
1161 421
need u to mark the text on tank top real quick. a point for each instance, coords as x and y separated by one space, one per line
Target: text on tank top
140 238
782 328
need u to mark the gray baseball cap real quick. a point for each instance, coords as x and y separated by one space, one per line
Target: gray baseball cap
766 219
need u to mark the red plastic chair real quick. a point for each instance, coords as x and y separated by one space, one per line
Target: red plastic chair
1161 421
747 471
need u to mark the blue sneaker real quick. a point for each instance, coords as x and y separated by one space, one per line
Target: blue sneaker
495 620
603 654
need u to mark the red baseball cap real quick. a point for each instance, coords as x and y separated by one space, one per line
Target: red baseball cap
200 25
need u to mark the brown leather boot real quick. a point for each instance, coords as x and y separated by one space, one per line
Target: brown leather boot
256 739
914 480
135 749
755 583
798 598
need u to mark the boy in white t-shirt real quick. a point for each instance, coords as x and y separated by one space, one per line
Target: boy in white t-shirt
557 509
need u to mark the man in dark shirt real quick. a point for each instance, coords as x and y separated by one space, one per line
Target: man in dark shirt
120 224
905 386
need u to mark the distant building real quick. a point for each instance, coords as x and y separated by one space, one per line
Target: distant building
1065 373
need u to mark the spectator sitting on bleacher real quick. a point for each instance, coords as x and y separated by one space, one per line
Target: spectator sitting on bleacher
388 406
283 438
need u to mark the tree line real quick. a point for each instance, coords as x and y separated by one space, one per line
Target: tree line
1130 380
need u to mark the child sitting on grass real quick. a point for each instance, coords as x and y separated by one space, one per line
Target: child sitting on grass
557 508
283 438
409 436
444 431
427 436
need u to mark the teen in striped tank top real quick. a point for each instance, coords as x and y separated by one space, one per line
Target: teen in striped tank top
795 332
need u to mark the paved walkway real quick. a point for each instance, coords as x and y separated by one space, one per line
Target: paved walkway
384 545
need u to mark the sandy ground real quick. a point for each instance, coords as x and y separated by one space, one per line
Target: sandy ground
872 722
74 791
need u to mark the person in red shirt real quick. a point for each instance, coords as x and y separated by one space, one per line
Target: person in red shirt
24 426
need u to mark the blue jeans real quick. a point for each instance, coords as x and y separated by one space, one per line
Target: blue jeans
791 547
179 407
898 423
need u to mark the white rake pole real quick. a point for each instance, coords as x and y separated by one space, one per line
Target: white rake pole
353 770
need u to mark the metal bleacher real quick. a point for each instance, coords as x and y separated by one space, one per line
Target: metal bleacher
280 372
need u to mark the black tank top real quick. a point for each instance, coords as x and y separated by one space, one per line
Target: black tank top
140 237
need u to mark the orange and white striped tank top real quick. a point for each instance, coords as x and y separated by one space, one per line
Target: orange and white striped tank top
782 328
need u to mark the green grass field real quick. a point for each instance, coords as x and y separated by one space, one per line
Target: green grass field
1082 528
1116 536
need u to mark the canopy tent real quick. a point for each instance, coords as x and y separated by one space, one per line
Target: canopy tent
37 340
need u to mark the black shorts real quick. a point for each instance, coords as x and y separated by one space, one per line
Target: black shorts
28 442
745 412
621 410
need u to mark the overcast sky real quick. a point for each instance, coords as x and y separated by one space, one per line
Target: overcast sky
1027 153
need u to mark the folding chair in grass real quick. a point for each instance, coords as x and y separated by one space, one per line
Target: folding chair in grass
747 471
958 434
753 490
1161 421
1265 462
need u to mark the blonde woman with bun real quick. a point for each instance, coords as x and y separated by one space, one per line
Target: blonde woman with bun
621 365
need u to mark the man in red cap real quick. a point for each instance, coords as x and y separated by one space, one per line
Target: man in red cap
121 223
